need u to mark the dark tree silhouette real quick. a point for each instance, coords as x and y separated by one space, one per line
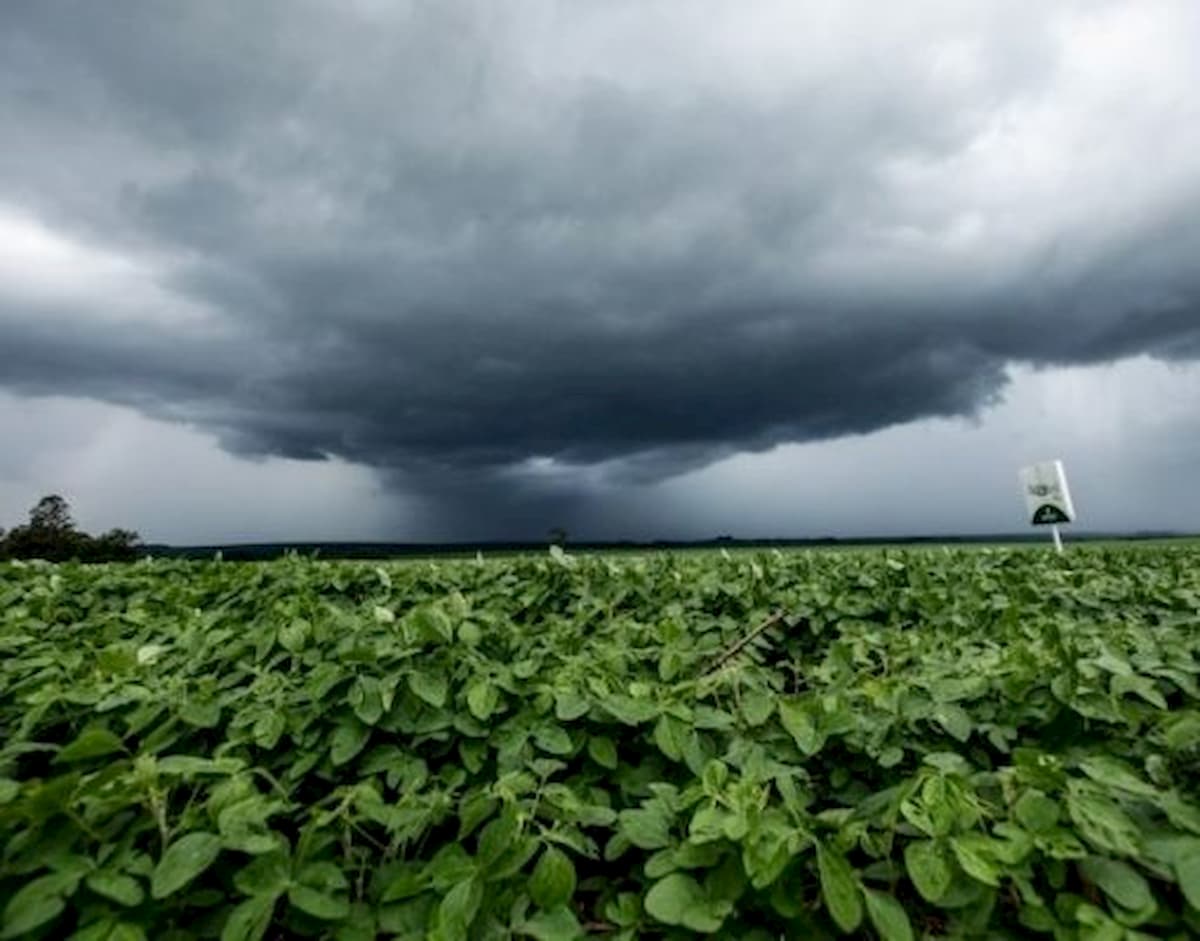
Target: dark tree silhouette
116 545
51 534
52 515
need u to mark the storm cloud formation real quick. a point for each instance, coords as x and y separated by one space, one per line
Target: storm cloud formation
506 252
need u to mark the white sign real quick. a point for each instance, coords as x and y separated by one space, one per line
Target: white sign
1046 495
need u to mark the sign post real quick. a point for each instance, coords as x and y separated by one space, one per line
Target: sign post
1047 499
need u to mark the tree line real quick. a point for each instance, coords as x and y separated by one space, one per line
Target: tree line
51 534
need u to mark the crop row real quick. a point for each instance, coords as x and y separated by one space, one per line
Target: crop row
935 744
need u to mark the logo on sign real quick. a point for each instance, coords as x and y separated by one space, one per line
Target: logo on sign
1048 513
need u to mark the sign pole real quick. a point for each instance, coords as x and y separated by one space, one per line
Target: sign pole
1057 537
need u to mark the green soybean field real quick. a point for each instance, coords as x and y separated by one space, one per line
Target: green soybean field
892 745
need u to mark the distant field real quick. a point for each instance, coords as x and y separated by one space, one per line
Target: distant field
396 551
898 743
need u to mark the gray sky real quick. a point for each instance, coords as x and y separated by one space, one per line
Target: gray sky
470 270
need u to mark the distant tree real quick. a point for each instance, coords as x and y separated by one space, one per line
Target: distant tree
117 545
52 515
51 534
46 534
558 536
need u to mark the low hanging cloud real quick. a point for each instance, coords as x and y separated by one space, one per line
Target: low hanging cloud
505 254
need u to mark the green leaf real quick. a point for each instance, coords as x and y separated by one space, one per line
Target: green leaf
569 705
928 869
1060 843
204 714
670 735
630 711
697 752
708 824
1187 871
474 810
149 654
797 719
757 707
648 828
625 910
9 789
318 903
1182 732
429 687
190 766
432 623
90 743
1181 813
407 882
888 916
688 856
559 924
1142 686
840 890
242 824
706 717
109 929
458 909
553 739
250 920
954 719
120 888
602 751
1114 773
366 699
470 634
268 728
524 669
553 881
890 756
1103 824
498 837
293 636
973 851
361 925
348 740
679 900
411 919
1036 812
482 699
36 903
323 875
266 875
183 861
1119 881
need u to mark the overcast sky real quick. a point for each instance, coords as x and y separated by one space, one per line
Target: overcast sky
322 269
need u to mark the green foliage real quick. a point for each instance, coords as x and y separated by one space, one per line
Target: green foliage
839 889
942 744
183 860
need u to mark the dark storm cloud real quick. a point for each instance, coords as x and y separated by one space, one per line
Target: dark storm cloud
448 239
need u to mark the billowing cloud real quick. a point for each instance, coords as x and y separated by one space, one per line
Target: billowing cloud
508 254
